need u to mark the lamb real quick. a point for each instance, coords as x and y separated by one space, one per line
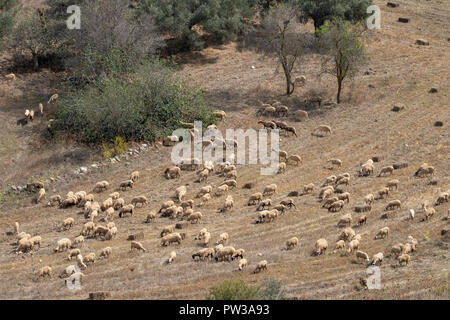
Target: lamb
424 170
220 114
172 172
345 220
344 197
336 206
78 240
225 253
329 201
195 217
53 98
323 128
204 254
263 204
10 77
335 162
124 185
54 200
377 259
321 246
115 195
142 200
268 124
362 255
221 190
150 217
326 193
238 254
203 175
166 230
270 189
242 264
429 212
386 170
134 176
291 243
41 195
393 183
383 192
63 245
353 245
292 130
288 203
294 158
137 245
45 271
101 186
282 154
369 199
129 208
100 231
36 241
362 220
443 197
308 188
172 257
255 198
229 204
345 181
171 238
281 167
68 223
118 203
89 258
300 115
166 205
340 244
206 198
347 234
403 259
88 228
382 233
73 253
108 203
394 204
204 190
366 170
262 265
24 245
223 238
106 252
112 232
230 183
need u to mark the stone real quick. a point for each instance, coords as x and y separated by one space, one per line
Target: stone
392 4
403 20
422 42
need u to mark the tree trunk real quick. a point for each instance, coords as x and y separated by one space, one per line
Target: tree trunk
339 91
35 62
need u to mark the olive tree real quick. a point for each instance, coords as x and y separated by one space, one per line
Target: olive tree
344 48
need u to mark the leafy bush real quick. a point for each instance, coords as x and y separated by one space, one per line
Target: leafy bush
222 20
273 290
115 148
233 290
143 105
8 13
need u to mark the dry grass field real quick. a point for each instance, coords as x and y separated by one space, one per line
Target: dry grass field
363 126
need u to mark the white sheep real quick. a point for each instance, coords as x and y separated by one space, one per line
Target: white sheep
362 255
106 252
262 265
242 264
294 158
45 271
377 258
172 257
386 170
291 243
73 253
180 192
53 98
223 238
137 245
382 233
141 200
270 189
63 245
321 246
68 223
323 128
335 162
41 195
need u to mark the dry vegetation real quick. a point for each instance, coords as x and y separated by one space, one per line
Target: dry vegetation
363 127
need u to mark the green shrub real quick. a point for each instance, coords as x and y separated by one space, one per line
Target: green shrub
273 290
8 13
115 148
145 105
233 290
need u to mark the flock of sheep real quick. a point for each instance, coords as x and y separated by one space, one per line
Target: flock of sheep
330 194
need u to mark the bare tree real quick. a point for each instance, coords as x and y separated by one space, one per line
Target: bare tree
282 36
